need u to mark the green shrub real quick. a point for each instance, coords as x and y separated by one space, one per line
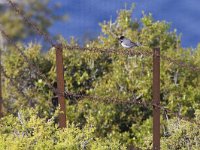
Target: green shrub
28 131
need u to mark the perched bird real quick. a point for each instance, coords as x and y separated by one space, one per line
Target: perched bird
126 43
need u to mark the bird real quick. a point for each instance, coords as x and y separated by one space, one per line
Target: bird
127 43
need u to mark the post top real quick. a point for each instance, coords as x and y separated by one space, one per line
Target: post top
58 46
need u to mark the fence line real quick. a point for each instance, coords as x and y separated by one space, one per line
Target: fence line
129 101
108 100
117 51
70 95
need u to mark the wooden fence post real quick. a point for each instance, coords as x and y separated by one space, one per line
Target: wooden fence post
60 85
156 99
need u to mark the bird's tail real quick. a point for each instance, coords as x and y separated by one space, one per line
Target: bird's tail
138 44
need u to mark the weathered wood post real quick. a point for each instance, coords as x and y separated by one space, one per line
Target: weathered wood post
156 99
60 85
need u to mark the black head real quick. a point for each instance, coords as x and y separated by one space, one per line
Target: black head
121 38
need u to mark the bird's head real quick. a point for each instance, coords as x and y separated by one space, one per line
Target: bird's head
121 38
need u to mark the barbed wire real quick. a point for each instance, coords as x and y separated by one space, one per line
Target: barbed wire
181 63
107 99
132 101
168 112
135 52
128 52
14 84
32 65
29 22
8 39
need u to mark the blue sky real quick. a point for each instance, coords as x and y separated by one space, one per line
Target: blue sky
85 16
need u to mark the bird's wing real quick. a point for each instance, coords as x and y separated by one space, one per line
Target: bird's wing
129 43
134 44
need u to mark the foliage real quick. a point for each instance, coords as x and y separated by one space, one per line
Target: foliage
28 131
183 134
26 78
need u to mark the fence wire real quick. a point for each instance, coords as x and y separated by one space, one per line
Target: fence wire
167 112
32 65
14 84
181 63
29 22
